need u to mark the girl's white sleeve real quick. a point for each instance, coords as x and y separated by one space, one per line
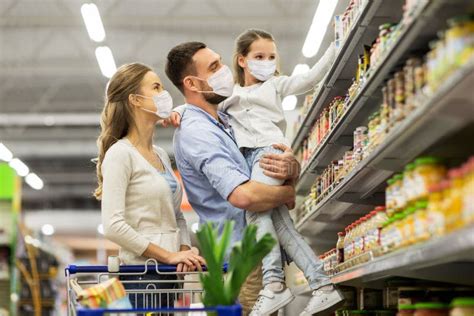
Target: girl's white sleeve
116 171
301 83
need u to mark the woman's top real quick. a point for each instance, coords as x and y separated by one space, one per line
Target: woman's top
138 204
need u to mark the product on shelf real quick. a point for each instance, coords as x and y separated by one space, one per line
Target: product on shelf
462 306
453 48
431 309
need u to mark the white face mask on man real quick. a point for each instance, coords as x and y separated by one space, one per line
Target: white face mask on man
262 69
221 82
163 103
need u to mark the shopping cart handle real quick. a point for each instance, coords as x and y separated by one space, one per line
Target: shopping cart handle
149 269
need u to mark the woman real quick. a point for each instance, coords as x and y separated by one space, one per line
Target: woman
140 194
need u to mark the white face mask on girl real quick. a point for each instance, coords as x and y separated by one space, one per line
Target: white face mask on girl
262 69
163 103
221 82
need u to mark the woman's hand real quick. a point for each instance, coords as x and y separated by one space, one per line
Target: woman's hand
188 258
181 267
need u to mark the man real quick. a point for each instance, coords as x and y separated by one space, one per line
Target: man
216 175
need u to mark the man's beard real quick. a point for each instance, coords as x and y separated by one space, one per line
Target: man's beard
213 98
210 96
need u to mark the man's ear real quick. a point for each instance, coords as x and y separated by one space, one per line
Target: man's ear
189 84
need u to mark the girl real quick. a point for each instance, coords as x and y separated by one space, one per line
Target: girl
257 118
140 194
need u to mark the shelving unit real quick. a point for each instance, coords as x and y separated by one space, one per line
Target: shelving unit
447 111
441 125
446 259
414 36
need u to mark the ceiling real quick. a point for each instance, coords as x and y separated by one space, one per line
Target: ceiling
51 88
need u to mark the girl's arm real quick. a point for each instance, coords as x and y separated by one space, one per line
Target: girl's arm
301 83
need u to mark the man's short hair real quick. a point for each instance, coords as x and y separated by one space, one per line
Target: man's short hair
179 62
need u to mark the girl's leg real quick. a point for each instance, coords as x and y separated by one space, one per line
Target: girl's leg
301 253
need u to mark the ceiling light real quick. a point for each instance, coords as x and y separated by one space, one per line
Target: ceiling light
34 181
321 19
93 22
300 69
47 229
5 153
106 61
19 166
289 103
100 229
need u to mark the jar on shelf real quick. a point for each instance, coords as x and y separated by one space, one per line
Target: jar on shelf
420 222
409 185
462 306
454 215
408 226
340 247
385 236
399 198
431 309
400 94
389 197
410 88
468 194
406 310
391 90
397 230
428 171
437 208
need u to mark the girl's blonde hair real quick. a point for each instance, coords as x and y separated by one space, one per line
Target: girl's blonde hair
117 116
242 48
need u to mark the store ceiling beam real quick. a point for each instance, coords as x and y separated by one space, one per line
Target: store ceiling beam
45 149
49 119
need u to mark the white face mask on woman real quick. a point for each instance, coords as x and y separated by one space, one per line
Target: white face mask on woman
221 82
163 103
262 69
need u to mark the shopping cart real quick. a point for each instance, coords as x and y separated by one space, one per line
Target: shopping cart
172 293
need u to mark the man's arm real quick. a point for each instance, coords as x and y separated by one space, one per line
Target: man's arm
257 197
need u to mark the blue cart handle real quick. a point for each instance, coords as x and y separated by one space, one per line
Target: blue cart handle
147 268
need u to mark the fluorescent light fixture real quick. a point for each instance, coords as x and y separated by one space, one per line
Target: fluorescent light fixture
5 153
19 166
289 103
47 229
34 181
321 19
100 229
300 69
93 22
106 61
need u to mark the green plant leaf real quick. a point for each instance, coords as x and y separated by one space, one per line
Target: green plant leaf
244 257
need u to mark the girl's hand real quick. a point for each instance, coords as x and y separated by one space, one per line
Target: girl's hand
174 119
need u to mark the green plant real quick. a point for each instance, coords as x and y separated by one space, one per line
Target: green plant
244 258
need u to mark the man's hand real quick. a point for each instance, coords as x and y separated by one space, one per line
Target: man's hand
280 166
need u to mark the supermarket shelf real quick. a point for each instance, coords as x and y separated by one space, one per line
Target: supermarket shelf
338 78
447 111
445 259
368 100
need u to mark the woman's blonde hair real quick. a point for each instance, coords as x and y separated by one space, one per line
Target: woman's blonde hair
242 48
117 116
